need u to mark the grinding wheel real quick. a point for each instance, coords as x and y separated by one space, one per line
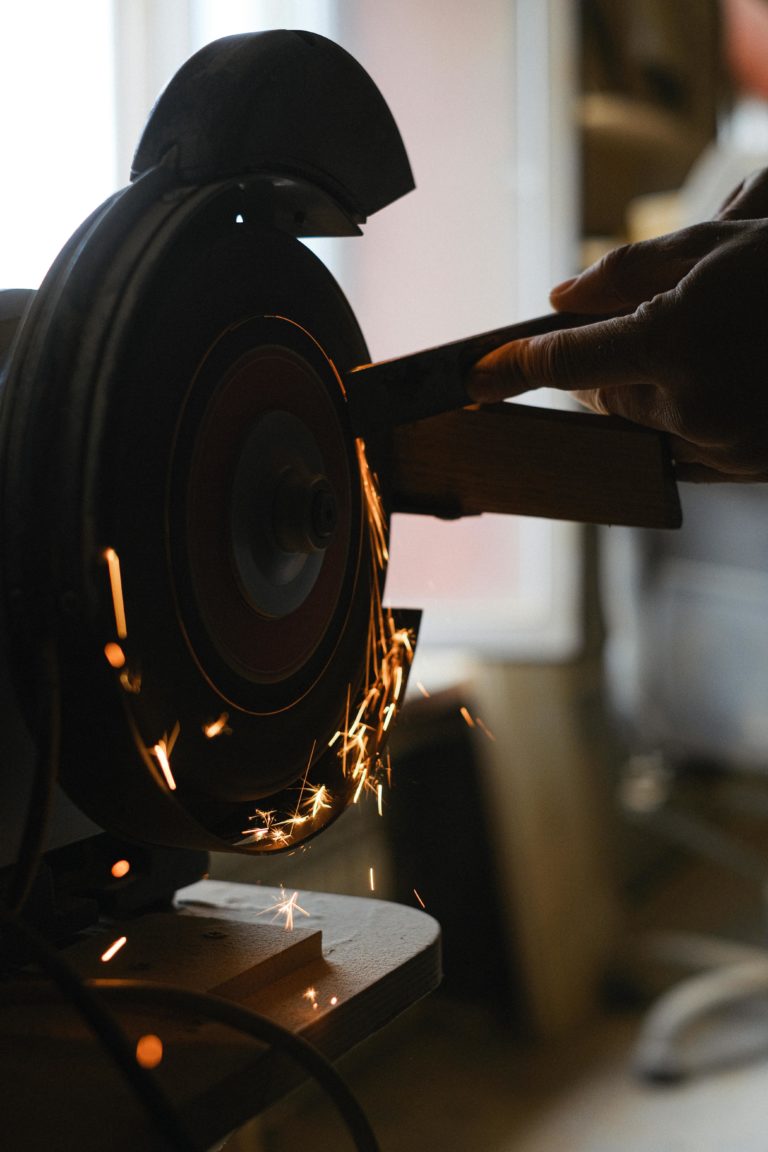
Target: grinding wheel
189 518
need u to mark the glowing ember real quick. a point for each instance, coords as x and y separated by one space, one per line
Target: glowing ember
419 898
162 753
333 1001
116 586
114 949
120 868
115 655
287 906
311 995
149 1051
219 727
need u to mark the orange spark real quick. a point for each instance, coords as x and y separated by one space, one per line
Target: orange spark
149 1051
113 949
422 689
264 830
371 880
419 898
162 751
116 585
218 727
319 798
311 995
467 716
361 785
380 798
114 654
120 868
333 1001
484 728
286 906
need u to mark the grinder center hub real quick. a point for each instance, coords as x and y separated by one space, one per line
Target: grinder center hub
305 512
283 514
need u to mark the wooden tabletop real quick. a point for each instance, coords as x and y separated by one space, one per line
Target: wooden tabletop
345 969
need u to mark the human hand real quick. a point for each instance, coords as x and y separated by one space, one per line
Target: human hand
685 350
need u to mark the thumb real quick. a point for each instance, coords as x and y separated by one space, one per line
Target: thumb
611 352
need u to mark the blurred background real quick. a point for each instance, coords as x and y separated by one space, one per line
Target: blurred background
579 788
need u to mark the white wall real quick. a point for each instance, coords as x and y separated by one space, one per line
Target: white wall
483 96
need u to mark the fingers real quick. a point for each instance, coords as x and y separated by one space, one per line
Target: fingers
609 352
748 201
633 273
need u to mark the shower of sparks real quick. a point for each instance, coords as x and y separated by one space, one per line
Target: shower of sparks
120 868
421 902
361 737
162 752
113 949
287 906
149 1051
116 585
389 651
467 717
264 829
362 741
218 727
374 509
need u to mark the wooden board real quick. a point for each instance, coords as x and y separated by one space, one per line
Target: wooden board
60 1089
513 458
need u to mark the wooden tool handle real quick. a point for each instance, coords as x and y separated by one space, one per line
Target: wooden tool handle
513 458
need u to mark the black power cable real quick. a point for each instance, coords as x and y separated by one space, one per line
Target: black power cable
105 1027
221 1011
260 1028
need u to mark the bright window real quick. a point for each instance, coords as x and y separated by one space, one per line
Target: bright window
481 94
56 92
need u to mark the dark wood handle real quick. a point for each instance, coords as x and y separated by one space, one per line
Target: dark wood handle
513 458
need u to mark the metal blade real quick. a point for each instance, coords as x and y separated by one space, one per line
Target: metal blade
427 383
